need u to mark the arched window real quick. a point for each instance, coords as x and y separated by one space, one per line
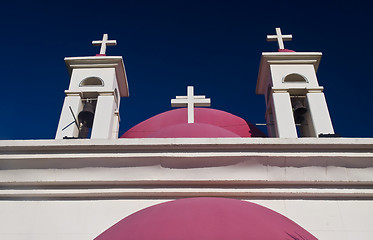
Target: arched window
294 77
91 81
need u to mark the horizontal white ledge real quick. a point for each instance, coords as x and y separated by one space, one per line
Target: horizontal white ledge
190 190
131 144
187 194
185 152
176 155
181 160
345 184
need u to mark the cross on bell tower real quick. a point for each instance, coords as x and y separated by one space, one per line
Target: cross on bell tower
103 43
279 38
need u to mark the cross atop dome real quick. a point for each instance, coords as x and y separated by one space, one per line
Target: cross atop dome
190 101
103 43
279 38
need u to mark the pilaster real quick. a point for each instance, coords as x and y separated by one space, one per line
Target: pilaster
283 115
319 113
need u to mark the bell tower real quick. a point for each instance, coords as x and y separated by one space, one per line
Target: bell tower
91 106
296 105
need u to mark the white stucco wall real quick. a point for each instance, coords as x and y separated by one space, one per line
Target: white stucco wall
84 220
61 189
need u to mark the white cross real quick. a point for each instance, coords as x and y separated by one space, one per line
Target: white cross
279 38
104 42
190 101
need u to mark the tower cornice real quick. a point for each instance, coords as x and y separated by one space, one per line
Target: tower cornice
269 58
102 62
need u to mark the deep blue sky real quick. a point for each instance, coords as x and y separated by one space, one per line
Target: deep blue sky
168 45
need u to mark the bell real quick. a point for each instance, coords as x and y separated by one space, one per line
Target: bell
298 110
86 116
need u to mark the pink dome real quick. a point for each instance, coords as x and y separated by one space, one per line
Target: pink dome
185 130
207 219
208 123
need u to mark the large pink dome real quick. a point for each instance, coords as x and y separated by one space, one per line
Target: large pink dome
209 123
207 219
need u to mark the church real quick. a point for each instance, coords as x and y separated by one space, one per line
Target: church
193 172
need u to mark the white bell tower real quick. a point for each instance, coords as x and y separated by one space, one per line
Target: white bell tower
292 93
91 106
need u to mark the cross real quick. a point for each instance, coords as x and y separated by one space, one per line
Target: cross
104 42
279 38
190 101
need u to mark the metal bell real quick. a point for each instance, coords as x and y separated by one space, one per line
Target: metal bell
86 116
298 110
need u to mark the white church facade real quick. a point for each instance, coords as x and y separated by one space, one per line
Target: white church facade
189 173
